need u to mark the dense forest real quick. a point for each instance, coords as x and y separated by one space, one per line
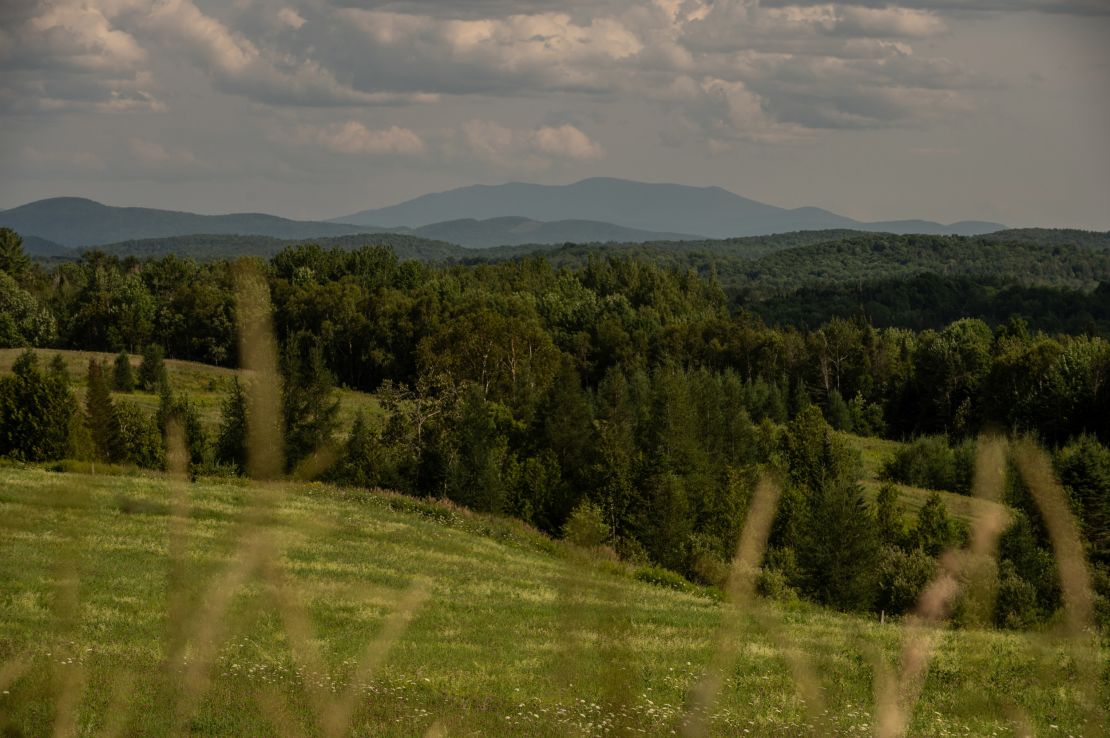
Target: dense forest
633 399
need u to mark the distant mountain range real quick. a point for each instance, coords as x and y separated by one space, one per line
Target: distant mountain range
708 211
596 210
76 222
53 227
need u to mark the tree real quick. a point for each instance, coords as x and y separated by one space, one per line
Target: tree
231 439
100 414
361 462
309 406
838 548
152 369
890 524
935 531
23 320
35 412
13 259
179 409
122 377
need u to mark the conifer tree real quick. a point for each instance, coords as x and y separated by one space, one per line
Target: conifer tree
35 411
123 379
152 369
100 414
309 406
231 441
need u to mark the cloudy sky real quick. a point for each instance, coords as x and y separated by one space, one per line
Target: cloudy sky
940 109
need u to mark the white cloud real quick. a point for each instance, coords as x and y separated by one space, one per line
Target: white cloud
566 141
520 149
354 138
291 18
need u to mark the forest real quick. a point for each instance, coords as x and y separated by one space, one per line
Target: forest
619 399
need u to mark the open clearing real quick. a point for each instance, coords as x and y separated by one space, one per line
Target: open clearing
516 634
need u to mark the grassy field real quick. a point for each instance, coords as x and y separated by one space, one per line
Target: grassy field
142 606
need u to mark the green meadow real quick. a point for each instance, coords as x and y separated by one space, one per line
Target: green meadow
141 605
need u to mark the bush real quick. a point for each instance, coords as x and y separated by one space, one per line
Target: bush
902 575
586 526
1016 605
661 577
774 585
931 463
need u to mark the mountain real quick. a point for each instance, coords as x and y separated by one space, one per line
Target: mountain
711 211
210 247
44 249
76 222
515 231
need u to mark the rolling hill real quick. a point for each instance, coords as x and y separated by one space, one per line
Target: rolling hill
711 211
77 222
432 620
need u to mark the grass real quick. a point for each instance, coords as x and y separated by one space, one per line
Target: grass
205 385
518 634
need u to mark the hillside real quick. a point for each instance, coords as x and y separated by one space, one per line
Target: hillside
433 621
514 231
77 222
205 385
711 211
214 247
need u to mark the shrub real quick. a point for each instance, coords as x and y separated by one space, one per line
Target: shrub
1016 604
902 575
123 379
661 577
586 526
931 463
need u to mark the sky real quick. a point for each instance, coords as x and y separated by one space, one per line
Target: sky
940 109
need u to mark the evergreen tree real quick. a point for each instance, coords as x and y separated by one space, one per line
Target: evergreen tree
359 465
58 368
309 406
123 378
13 259
890 524
35 412
179 409
838 549
935 531
152 369
231 440
100 414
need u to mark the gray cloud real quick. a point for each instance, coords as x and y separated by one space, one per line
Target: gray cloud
436 90
1061 7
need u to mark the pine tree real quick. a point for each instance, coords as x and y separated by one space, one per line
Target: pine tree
123 379
889 522
100 414
309 406
838 547
231 441
35 412
178 408
59 369
13 259
361 463
935 530
152 369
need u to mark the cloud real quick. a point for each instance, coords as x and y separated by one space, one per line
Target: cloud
531 150
238 65
354 138
70 55
567 142
291 18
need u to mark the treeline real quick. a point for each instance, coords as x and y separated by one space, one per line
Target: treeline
620 387
932 301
